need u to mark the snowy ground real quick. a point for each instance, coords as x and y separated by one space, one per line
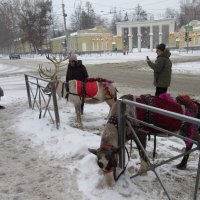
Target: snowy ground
38 161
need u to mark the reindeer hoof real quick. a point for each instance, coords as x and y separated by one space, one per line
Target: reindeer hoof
181 166
142 173
78 125
144 166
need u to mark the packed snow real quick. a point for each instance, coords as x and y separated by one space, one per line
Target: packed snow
71 144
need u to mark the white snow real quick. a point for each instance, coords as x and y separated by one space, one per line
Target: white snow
72 143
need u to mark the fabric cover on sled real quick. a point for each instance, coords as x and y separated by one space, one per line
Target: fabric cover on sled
162 121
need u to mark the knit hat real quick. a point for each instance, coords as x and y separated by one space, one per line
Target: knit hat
161 47
73 57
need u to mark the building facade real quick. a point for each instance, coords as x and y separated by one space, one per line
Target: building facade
145 34
97 39
87 41
188 36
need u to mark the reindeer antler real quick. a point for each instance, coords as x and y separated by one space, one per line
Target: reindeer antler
47 74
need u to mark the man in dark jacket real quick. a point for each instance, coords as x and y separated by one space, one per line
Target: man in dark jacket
162 69
76 71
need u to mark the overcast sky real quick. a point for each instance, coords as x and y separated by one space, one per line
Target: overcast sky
103 7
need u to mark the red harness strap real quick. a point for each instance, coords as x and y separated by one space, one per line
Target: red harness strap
108 171
105 146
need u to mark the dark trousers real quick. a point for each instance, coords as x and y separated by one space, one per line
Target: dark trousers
83 98
160 90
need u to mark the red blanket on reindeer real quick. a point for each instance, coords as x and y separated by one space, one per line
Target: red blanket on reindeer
90 88
165 102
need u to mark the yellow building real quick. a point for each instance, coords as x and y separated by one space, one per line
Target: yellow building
57 45
93 40
191 31
97 39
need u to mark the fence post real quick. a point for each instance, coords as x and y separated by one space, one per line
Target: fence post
198 175
55 105
121 108
28 91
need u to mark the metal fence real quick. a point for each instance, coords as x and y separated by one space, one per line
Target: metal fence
38 98
122 137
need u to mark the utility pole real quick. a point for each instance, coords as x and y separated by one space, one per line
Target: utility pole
64 17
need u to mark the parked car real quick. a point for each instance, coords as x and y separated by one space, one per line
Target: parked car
14 56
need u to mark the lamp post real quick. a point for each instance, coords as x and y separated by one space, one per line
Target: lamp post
65 26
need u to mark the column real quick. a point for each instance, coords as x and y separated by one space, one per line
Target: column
130 38
93 44
151 38
172 26
160 34
97 44
139 38
119 30
102 44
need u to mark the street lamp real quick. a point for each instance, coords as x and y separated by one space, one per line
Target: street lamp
64 17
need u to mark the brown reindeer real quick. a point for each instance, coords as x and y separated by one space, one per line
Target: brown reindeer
94 91
107 154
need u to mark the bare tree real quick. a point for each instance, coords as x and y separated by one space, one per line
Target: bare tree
139 14
126 17
99 21
76 18
84 17
117 17
189 12
9 30
171 13
5 24
34 22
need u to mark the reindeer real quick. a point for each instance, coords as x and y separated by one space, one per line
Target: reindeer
94 91
107 153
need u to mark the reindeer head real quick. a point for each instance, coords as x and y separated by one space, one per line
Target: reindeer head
49 73
107 157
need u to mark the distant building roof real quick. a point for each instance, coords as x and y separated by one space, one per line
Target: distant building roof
58 38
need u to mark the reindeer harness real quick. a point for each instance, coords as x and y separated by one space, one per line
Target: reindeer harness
83 92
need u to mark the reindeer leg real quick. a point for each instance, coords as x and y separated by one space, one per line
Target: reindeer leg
184 132
109 178
110 103
109 114
144 162
78 114
183 164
